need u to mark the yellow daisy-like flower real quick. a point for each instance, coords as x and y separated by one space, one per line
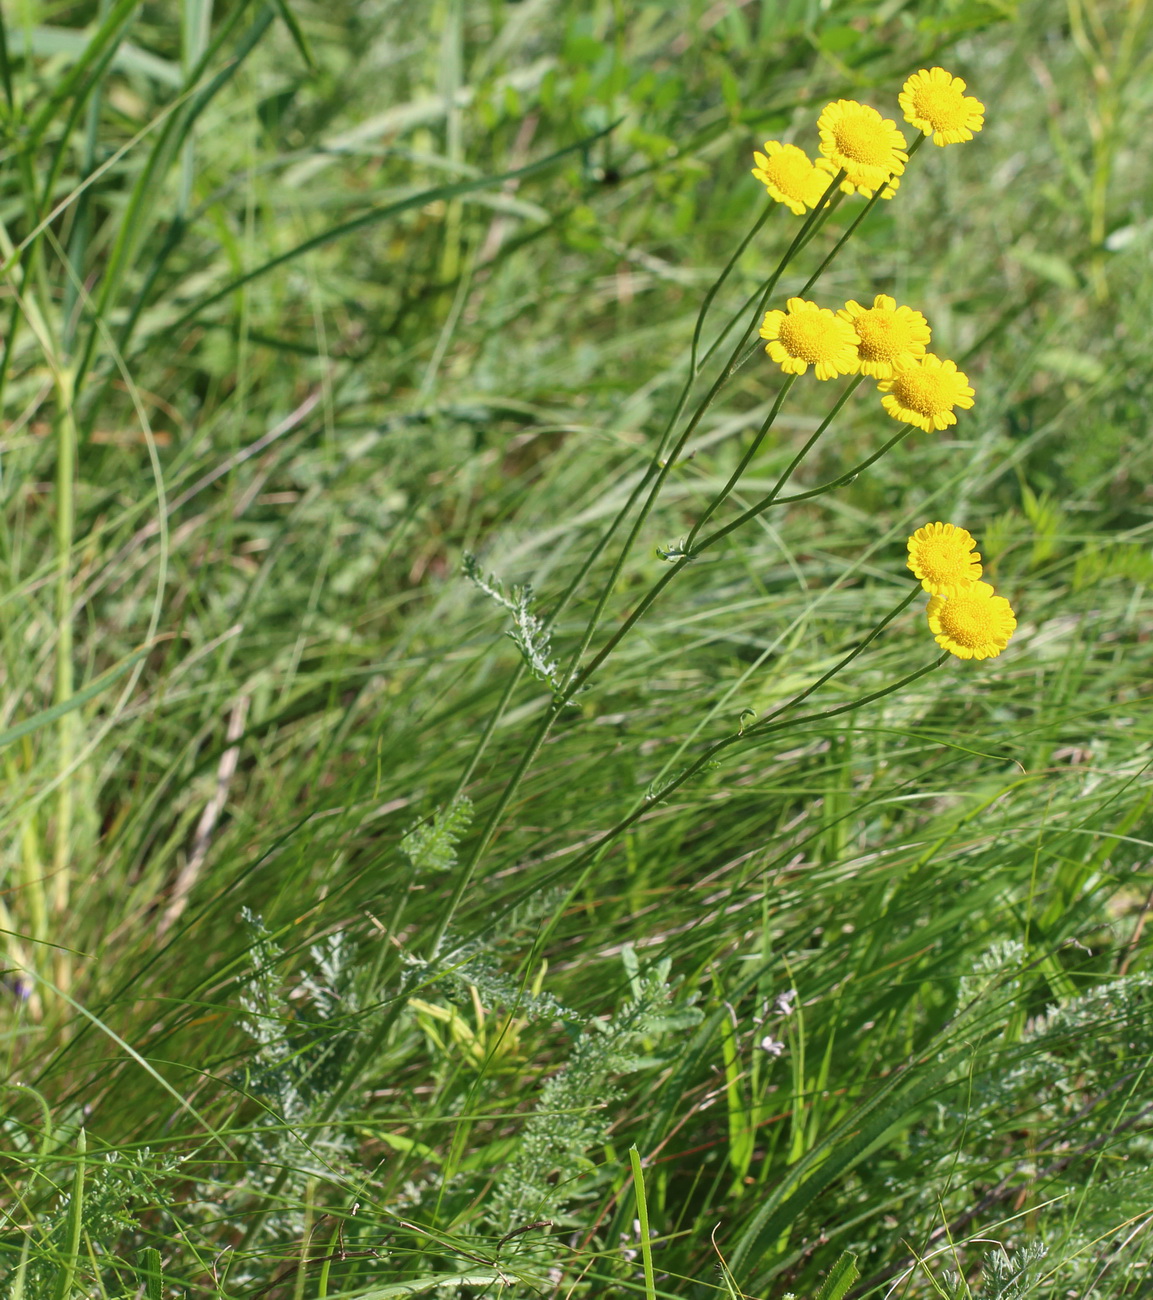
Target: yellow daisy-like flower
924 390
807 335
974 625
942 556
935 102
789 175
887 333
868 146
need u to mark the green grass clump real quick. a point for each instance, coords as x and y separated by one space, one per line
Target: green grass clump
422 876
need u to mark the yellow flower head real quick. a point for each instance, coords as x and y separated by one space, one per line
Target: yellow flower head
935 103
868 146
942 556
973 625
789 175
807 335
887 333
847 186
924 390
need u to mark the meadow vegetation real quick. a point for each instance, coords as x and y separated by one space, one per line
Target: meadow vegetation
422 874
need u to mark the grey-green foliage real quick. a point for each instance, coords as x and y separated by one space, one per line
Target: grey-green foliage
1074 1074
529 633
1073 1053
475 968
474 963
996 967
574 1110
1006 1275
114 1184
1104 1232
431 845
301 1050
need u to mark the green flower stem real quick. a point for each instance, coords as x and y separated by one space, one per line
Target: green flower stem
767 727
758 731
65 682
773 500
851 229
743 464
646 602
691 552
666 462
548 621
895 612
715 288
793 465
660 466
654 467
815 221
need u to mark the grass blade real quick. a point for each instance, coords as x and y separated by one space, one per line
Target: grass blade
94 688
382 214
292 23
646 1245
67 1270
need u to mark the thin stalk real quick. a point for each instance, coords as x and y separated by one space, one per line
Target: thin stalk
815 437
82 225
464 877
195 27
743 463
623 513
662 464
824 213
766 726
772 499
792 467
638 613
549 620
691 552
756 731
850 230
841 664
668 461
593 852
65 681
656 467
715 288
852 227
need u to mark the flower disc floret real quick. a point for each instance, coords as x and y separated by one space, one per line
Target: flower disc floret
866 145
974 625
924 390
942 556
888 333
934 101
807 335
790 176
